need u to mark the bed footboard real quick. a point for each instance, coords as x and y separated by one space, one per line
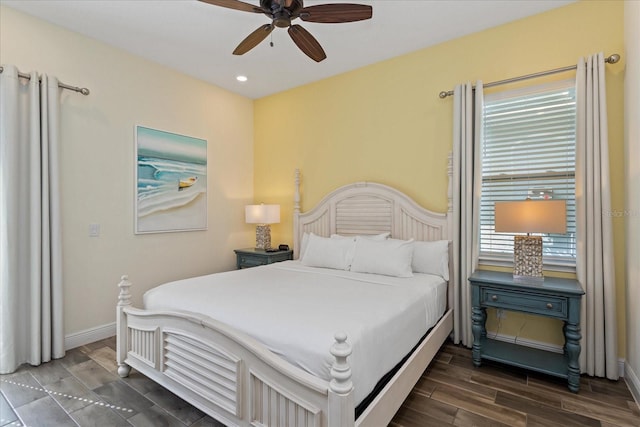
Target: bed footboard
227 374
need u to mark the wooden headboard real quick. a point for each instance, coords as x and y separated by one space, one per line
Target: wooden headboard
372 208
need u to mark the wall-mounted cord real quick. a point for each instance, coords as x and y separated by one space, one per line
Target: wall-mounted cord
520 330
499 325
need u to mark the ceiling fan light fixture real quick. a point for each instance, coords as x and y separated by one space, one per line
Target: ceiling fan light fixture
242 78
281 20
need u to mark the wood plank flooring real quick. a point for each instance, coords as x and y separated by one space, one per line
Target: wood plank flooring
83 389
454 392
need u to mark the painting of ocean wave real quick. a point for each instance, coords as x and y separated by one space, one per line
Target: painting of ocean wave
171 182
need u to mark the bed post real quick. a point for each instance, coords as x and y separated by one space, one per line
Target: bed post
122 341
341 401
296 215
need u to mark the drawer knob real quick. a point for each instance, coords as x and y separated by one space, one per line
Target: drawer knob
494 298
549 305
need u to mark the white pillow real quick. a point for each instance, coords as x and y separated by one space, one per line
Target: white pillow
303 245
382 236
431 258
328 253
388 257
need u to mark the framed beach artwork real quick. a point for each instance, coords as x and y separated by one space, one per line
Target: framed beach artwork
171 182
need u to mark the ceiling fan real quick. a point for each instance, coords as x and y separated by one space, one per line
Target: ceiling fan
282 12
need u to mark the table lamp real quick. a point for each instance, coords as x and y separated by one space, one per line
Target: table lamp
530 216
263 215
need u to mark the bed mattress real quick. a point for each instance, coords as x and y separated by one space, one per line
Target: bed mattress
295 311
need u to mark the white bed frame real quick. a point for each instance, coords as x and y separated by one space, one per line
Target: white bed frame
235 379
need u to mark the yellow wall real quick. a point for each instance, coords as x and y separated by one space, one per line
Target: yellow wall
97 161
386 123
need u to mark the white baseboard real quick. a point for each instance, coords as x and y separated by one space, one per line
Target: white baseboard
542 346
89 335
633 381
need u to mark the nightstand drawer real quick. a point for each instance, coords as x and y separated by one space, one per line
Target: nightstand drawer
547 305
251 261
250 257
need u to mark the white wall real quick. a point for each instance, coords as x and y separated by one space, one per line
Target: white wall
632 179
98 164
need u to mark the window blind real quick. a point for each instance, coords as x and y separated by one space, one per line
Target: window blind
529 152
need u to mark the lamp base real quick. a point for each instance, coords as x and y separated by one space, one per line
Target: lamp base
527 257
263 236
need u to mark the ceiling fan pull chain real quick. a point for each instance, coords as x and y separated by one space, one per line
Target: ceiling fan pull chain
271 40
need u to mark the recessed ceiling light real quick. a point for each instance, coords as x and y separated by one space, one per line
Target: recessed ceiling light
242 78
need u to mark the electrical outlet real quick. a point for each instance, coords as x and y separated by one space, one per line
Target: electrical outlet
501 314
94 230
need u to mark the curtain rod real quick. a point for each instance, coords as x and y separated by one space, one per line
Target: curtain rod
82 90
612 59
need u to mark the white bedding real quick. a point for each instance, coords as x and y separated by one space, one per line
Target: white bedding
295 310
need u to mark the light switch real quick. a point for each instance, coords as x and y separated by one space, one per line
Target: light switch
94 230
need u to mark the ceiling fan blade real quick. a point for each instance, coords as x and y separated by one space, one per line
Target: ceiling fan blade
253 39
235 4
307 43
334 13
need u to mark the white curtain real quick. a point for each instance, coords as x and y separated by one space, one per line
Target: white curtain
595 264
31 318
467 187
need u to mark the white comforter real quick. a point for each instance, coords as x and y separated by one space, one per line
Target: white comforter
295 311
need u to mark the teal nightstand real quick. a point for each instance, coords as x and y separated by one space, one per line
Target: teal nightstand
554 297
252 257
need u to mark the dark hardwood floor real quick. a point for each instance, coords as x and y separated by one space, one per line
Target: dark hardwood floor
454 392
83 389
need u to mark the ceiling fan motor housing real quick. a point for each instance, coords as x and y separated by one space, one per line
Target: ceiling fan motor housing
281 11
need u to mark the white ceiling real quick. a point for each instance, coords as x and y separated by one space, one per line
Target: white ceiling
197 38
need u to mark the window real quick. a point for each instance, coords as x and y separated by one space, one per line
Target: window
529 151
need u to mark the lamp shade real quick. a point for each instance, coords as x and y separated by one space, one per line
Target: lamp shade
531 216
262 214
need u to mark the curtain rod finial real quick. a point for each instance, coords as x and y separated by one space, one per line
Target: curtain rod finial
612 59
443 94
